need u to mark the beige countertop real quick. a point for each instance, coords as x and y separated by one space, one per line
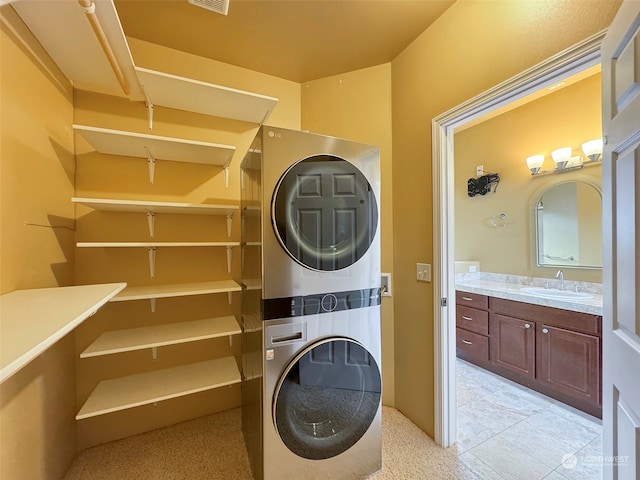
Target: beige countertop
510 287
31 321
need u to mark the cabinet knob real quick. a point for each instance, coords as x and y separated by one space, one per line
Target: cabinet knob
545 330
467 342
527 325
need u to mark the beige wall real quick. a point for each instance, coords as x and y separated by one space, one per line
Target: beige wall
568 117
108 176
37 404
472 47
357 106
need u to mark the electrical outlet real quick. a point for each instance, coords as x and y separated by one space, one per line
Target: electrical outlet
479 170
423 272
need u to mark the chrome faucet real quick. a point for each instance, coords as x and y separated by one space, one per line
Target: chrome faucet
560 275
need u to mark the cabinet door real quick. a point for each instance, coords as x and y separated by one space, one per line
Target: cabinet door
513 344
569 362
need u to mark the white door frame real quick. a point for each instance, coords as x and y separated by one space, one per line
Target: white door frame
566 63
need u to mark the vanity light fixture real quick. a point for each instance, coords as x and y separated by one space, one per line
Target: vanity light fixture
534 163
561 157
564 159
593 149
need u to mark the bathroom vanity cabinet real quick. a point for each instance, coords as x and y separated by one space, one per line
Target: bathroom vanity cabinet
554 351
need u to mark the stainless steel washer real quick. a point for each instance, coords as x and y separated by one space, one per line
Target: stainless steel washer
311 307
322 396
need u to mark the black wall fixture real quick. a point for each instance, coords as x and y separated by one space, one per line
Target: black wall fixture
482 185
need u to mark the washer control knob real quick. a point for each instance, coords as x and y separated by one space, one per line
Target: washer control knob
329 302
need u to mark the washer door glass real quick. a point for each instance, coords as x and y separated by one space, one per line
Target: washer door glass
324 213
327 398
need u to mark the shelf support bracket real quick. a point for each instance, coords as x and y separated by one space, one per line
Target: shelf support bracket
152 165
154 353
153 305
152 261
151 220
229 253
226 175
230 341
149 105
229 224
230 295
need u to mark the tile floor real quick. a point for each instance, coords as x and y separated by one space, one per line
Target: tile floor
506 431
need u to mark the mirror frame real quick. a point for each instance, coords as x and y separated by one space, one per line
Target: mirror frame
533 217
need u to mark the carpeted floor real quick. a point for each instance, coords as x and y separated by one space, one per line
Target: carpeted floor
212 448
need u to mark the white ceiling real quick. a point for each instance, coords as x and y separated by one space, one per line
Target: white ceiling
299 40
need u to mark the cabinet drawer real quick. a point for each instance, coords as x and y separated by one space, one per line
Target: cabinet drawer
472 319
472 345
472 300
557 317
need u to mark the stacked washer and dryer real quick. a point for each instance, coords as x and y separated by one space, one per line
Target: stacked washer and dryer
311 307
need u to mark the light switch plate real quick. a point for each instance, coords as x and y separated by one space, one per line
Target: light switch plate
423 272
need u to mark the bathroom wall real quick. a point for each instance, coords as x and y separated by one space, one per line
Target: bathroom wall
471 48
37 404
568 116
360 110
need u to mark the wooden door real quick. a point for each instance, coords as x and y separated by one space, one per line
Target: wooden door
569 362
512 343
621 244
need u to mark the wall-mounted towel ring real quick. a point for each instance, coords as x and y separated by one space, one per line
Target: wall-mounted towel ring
500 220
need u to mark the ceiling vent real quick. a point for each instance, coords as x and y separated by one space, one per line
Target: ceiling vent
218 6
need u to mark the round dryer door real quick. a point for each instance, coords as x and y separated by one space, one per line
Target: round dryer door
327 398
324 213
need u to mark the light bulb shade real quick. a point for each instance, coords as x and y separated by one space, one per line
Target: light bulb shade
593 149
561 156
534 163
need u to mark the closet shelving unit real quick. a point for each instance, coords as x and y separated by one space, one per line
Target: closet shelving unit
155 147
33 320
152 208
104 64
151 387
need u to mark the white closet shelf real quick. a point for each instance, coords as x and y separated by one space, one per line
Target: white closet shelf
154 244
145 388
142 145
130 339
139 206
182 93
77 51
176 290
31 321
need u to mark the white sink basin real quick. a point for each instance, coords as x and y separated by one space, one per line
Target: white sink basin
557 294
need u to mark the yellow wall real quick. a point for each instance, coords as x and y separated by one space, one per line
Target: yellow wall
568 117
37 404
472 47
357 106
108 176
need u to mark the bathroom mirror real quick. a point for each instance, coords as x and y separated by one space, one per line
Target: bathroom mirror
569 226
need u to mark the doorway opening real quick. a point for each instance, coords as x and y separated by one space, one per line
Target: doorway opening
553 71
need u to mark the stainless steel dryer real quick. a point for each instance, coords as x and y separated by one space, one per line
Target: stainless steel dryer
320 213
311 306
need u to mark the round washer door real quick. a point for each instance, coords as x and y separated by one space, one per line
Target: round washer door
324 213
327 398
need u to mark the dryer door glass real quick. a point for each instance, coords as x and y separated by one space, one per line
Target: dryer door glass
327 398
324 213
